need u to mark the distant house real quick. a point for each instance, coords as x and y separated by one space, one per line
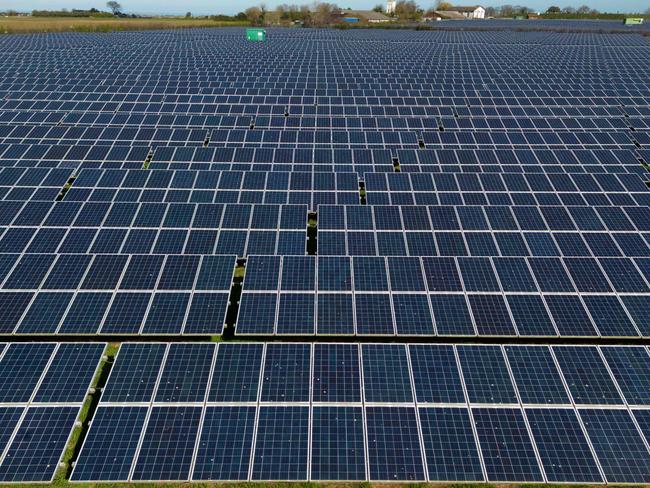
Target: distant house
364 16
469 12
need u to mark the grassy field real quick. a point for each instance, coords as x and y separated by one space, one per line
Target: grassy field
23 25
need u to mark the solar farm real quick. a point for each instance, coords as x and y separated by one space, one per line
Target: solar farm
335 255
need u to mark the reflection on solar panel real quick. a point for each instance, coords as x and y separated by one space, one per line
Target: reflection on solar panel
497 191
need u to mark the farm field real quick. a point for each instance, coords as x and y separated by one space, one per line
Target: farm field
334 257
25 25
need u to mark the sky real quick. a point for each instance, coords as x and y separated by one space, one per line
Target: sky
205 7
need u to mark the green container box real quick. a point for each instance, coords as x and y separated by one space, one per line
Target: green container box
633 21
256 34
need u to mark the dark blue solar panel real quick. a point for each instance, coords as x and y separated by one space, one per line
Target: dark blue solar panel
281 445
394 451
70 373
38 445
563 448
586 375
435 374
21 368
225 444
449 445
536 375
337 451
286 373
236 373
184 377
386 373
336 376
507 449
110 447
135 372
167 444
618 445
631 369
486 374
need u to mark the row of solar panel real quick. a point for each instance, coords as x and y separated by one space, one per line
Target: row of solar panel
32 240
152 214
379 243
443 314
354 443
177 241
91 126
313 199
47 373
338 91
413 274
345 90
270 100
330 217
217 431
518 160
378 374
83 127
496 218
109 240
109 271
370 139
304 181
108 313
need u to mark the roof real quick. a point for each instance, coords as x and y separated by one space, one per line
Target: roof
448 14
466 8
365 14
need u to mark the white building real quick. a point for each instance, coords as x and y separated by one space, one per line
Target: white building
471 12
390 6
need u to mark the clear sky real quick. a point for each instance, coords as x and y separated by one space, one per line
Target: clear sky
204 7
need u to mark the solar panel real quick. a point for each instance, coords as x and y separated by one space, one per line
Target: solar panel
563 449
167 444
394 451
337 451
111 446
507 449
353 192
450 446
620 448
38 444
225 444
281 446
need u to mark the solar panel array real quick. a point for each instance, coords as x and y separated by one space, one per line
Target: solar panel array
384 412
481 296
449 183
117 188
42 388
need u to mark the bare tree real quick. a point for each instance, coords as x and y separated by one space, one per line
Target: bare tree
568 10
583 9
506 10
491 11
442 5
407 10
323 14
115 7
254 15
